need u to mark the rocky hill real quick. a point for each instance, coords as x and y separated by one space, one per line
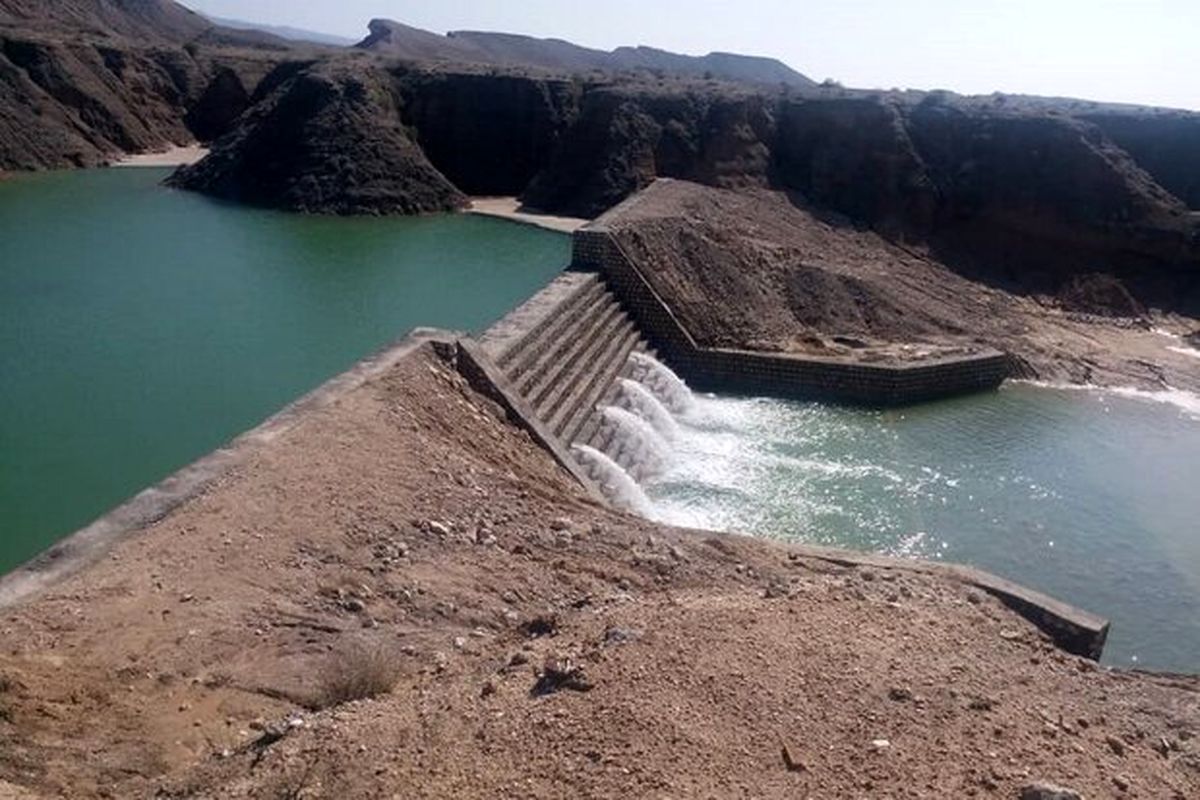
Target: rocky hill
329 139
82 81
139 21
1022 196
514 50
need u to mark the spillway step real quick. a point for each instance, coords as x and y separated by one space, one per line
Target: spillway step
560 344
582 403
551 311
579 360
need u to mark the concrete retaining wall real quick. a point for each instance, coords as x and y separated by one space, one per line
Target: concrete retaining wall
780 375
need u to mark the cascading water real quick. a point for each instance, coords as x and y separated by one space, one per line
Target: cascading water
635 397
662 382
636 431
633 443
615 482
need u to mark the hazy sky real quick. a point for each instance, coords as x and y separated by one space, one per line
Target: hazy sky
1141 51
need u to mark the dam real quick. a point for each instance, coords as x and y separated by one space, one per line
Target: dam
597 369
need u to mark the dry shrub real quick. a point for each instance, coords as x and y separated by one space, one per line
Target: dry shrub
360 672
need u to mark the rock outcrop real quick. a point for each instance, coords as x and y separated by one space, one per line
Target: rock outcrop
1021 196
558 56
625 136
82 81
329 139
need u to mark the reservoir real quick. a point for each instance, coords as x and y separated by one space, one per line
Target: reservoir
142 327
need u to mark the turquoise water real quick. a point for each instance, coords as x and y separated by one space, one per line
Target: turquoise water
142 327
1088 496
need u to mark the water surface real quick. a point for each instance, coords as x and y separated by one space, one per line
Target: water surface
141 327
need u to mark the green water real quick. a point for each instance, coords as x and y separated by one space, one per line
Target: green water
1088 496
142 327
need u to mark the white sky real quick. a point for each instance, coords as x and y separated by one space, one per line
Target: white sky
1137 51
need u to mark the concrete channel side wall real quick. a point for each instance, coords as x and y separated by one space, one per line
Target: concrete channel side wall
487 379
792 376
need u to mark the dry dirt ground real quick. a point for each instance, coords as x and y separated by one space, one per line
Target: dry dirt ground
760 270
535 645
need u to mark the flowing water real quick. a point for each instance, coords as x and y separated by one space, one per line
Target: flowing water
141 327
1087 495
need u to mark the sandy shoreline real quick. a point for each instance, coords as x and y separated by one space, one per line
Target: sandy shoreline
175 157
510 208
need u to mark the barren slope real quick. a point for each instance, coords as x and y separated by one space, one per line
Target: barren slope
762 270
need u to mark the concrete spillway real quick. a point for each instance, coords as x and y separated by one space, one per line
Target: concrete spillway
563 352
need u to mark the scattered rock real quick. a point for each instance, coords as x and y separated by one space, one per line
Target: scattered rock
541 625
791 760
1116 745
1121 782
559 674
981 703
1048 791
776 589
900 694
879 745
614 635
560 524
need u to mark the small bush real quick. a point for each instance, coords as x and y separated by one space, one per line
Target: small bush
359 673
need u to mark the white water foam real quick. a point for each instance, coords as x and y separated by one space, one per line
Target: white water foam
1186 351
662 382
616 484
1180 346
1185 401
633 443
635 397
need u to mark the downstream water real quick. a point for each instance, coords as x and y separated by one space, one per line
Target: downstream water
142 327
1091 497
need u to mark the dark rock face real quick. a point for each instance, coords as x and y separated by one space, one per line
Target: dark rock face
328 139
1164 143
488 134
1023 197
222 102
855 155
78 103
625 138
84 80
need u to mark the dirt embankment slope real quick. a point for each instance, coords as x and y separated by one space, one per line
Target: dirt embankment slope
764 270
539 646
